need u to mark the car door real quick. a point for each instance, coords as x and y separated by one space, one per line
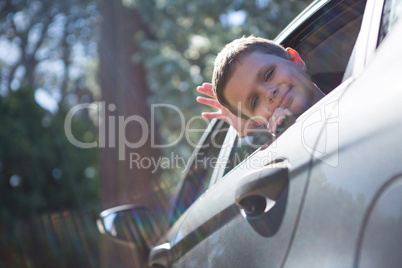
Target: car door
201 170
249 217
352 209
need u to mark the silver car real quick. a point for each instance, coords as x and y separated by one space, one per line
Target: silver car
327 192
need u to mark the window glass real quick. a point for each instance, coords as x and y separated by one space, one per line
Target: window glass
390 14
245 147
202 166
326 44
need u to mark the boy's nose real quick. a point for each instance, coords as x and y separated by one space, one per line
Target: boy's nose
271 94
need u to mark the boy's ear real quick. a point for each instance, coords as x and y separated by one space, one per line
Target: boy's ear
295 58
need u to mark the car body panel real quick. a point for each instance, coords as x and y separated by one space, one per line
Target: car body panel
214 125
339 197
382 216
367 40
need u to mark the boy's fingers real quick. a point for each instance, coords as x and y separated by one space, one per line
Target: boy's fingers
273 128
272 124
277 119
287 112
217 115
207 85
210 102
206 91
208 115
280 119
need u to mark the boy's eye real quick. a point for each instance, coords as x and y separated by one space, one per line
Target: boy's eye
255 102
269 75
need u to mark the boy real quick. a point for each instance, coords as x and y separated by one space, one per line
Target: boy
257 82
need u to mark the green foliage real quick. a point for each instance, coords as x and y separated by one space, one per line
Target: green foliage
40 169
46 41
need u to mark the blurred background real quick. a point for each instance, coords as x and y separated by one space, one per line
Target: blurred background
114 59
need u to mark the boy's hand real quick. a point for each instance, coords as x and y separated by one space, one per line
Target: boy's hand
277 119
242 126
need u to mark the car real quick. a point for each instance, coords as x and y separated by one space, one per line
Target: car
327 192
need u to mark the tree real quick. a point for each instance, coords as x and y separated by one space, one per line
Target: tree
124 92
41 171
43 177
41 37
44 39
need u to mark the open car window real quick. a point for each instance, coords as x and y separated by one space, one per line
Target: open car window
325 42
245 147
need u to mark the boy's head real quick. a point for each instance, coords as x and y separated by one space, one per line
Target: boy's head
261 76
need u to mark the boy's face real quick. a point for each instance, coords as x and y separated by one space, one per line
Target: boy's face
263 82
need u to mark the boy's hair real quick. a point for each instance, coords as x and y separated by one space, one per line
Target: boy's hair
231 54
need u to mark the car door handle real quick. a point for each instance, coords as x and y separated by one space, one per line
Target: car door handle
159 256
258 191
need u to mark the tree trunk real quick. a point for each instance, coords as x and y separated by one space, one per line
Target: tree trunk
124 93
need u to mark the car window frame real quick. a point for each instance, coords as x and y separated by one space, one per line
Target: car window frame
303 29
366 43
229 141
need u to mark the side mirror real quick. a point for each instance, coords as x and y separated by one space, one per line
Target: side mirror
130 225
